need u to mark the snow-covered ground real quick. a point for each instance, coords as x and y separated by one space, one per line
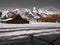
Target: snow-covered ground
19 31
34 24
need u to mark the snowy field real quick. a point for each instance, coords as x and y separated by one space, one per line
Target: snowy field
9 33
30 25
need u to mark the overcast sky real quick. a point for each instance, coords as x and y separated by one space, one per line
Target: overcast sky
28 3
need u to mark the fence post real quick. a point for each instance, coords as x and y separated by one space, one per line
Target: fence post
31 35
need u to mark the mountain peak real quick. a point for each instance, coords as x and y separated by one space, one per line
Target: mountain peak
51 9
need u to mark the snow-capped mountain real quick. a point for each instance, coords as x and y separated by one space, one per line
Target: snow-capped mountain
32 14
51 9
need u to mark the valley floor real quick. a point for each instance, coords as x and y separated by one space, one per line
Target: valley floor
20 34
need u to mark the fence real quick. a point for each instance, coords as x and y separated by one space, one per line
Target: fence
32 37
49 42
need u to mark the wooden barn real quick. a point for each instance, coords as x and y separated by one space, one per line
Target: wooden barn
16 20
